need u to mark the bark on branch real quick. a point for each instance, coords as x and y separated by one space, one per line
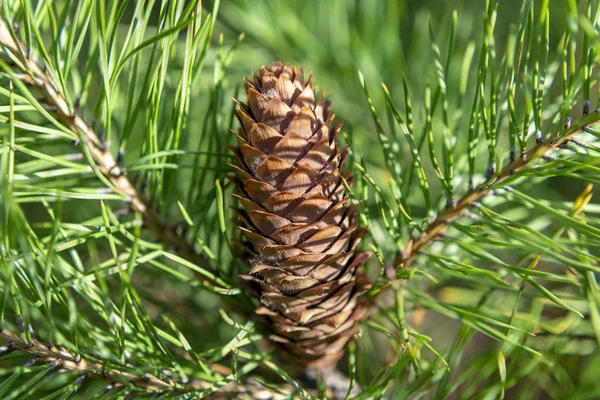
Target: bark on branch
439 226
66 361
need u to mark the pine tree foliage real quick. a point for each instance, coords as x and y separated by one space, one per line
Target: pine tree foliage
475 167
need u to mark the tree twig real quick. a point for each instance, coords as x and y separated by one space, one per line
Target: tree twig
66 361
439 226
35 75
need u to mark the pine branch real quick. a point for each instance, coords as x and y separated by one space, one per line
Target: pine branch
66 361
33 74
438 227
63 360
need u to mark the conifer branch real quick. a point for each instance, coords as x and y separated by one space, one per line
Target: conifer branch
33 74
63 360
438 227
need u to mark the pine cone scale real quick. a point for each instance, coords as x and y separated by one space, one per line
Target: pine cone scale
299 227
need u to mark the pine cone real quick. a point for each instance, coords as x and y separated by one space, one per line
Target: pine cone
299 225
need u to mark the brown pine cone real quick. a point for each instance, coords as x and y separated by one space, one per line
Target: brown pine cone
299 225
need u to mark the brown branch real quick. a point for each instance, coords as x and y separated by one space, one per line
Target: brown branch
439 226
66 361
36 76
